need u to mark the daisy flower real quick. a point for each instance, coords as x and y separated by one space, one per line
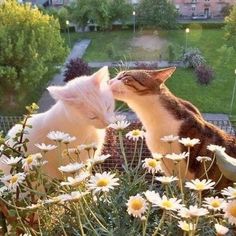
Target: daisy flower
230 212
230 192
221 230
200 185
11 161
29 162
151 196
87 147
76 180
98 159
186 226
120 118
152 165
119 125
157 156
135 134
68 139
102 182
76 195
203 158
57 136
137 206
213 148
187 142
214 203
13 181
72 167
3 189
166 179
45 148
169 138
177 157
192 211
171 204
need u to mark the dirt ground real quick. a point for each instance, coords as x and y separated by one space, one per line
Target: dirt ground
149 42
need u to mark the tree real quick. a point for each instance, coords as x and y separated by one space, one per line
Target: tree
225 11
159 13
230 28
30 47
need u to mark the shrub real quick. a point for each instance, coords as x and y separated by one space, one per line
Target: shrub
171 53
146 66
75 68
193 58
204 74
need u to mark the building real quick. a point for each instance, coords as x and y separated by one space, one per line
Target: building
201 9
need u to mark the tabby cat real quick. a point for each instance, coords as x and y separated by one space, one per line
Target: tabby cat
162 113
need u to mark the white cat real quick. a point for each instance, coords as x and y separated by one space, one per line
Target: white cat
84 108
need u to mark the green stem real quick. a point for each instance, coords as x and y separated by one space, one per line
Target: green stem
204 164
122 149
146 221
221 175
180 182
187 165
140 155
200 198
214 157
160 223
135 148
79 220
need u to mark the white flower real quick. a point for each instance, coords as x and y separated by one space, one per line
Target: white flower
135 134
1 148
102 182
171 204
76 180
186 226
29 162
136 206
214 203
34 206
57 136
3 189
152 165
68 139
230 212
87 147
192 211
166 179
200 185
177 157
157 156
11 161
221 230
213 148
151 196
169 138
229 192
76 195
71 167
44 147
119 125
99 159
13 181
187 142
203 158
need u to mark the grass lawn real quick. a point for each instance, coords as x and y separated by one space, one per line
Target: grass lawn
215 98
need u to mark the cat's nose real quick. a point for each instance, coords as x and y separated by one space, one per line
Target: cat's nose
110 82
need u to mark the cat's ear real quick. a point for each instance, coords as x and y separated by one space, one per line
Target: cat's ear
163 74
101 76
60 93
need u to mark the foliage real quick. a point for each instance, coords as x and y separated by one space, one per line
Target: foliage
101 12
171 53
204 74
65 207
75 68
146 66
157 13
193 58
230 28
31 46
225 11
202 25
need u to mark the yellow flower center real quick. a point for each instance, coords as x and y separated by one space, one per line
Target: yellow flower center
152 163
136 132
215 203
232 210
136 204
102 182
14 179
186 227
200 186
167 204
29 159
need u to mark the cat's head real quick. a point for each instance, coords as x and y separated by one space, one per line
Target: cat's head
129 85
88 98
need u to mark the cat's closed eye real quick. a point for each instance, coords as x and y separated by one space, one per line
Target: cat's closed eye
93 117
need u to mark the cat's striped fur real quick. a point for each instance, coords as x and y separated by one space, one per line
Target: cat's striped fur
162 113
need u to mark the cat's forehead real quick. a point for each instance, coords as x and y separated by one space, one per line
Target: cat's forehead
136 73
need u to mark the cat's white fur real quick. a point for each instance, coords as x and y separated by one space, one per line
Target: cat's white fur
156 119
83 109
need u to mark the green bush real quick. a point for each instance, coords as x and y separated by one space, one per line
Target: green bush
31 46
203 25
